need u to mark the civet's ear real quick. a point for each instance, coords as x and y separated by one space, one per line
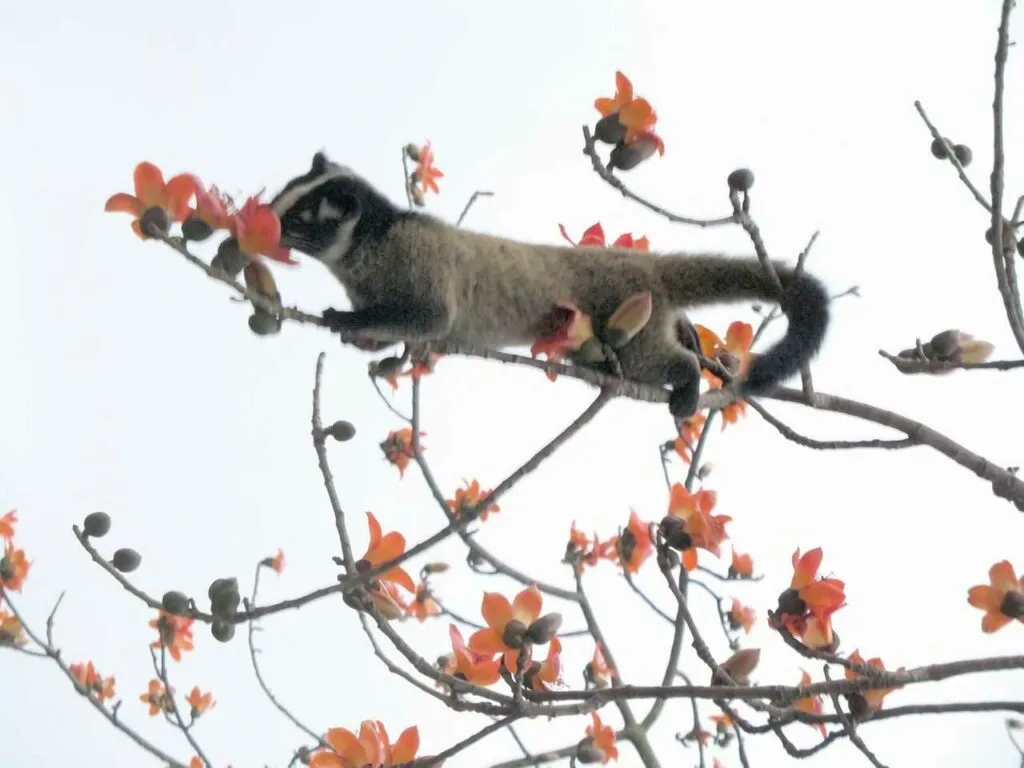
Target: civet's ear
320 163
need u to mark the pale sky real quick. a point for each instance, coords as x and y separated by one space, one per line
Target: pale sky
133 385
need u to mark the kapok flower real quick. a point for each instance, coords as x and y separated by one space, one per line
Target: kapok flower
89 681
258 231
7 521
175 633
275 563
811 704
567 330
158 698
594 236
426 173
423 604
598 671
808 594
741 616
14 567
1002 599
397 448
416 371
507 624
372 747
602 738
863 702
466 664
631 547
545 675
699 529
11 631
468 497
169 200
689 434
214 208
381 550
742 566
623 96
199 702
582 550
723 723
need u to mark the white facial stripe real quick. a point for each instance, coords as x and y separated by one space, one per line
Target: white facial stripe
297 192
328 212
341 244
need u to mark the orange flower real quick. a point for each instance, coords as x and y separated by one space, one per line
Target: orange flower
472 666
14 567
598 670
811 704
151 192
423 605
258 231
821 596
175 633
372 747
633 546
158 698
722 723
397 448
734 354
582 550
499 613
594 236
196 762
199 702
383 549
705 530
7 522
603 738
871 700
742 566
568 329
276 563
543 676
388 599
426 173
689 434
470 496
415 372
11 631
639 118
1002 599
814 632
213 207
741 616
89 681
623 95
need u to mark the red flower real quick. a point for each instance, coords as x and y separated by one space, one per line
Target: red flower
258 231
152 192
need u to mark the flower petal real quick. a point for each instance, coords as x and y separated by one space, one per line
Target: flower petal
122 202
496 610
1002 576
992 622
345 743
407 745
375 531
486 641
527 605
149 184
806 568
388 548
399 576
985 597
178 193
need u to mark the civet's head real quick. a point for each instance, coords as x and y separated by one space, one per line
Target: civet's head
328 210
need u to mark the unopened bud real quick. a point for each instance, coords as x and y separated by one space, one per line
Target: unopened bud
544 628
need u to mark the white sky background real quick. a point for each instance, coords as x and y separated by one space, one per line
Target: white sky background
132 384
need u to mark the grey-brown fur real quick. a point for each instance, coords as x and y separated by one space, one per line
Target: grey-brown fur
410 277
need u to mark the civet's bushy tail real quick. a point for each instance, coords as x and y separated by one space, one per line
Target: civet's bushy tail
705 279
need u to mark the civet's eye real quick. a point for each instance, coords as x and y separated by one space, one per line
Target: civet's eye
306 216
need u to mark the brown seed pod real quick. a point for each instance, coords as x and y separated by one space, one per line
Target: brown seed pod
223 631
342 431
229 259
544 628
126 560
96 524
